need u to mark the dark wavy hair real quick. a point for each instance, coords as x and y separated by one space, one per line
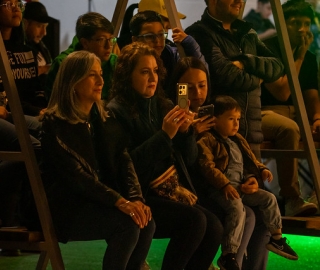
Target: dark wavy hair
293 8
181 68
122 88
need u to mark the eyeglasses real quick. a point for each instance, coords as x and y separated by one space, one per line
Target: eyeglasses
104 41
10 6
153 37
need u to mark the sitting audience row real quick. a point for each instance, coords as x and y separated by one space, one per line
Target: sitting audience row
130 166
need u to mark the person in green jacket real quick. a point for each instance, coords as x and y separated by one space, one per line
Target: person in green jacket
94 33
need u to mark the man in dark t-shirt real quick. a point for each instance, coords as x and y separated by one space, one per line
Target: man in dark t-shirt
278 113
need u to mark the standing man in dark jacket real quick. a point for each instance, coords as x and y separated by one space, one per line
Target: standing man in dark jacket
238 62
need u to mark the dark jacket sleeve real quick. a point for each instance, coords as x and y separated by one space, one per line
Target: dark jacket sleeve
130 179
187 145
115 164
152 151
70 171
224 73
263 65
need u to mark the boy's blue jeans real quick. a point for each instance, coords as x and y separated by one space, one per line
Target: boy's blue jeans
236 215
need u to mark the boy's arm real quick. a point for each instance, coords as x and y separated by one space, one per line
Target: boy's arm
207 147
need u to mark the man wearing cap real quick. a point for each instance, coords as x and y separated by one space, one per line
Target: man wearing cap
36 20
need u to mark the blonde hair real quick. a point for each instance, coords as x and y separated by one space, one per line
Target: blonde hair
63 101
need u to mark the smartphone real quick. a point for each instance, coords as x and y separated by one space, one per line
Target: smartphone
182 95
206 110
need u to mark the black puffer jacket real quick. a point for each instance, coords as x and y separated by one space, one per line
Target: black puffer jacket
85 165
220 48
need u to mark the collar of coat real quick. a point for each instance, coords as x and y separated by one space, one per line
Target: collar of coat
239 27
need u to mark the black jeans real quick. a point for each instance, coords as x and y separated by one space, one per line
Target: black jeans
128 245
195 234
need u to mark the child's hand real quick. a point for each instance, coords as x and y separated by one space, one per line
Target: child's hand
230 192
178 35
250 186
266 175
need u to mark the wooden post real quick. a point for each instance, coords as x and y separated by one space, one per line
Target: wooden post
296 94
174 21
118 15
28 156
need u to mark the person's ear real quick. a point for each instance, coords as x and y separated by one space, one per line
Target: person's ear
84 43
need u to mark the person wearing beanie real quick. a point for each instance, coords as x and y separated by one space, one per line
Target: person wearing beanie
36 20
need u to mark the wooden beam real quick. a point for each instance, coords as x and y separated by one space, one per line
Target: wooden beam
174 21
118 15
28 156
296 94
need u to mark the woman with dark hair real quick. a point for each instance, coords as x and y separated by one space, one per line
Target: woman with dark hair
92 188
192 71
161 143
21 58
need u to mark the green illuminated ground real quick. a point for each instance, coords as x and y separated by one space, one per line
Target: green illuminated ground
88 256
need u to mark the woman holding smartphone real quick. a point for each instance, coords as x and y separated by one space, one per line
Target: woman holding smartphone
161 143
193 72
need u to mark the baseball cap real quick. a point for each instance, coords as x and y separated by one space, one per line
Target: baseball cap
157 6
36 11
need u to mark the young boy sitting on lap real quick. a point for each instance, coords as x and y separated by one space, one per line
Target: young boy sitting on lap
231 173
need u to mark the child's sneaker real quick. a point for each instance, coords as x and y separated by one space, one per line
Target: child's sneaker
282 248
228 262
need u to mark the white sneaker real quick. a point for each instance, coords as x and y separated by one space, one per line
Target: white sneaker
296 207
313 199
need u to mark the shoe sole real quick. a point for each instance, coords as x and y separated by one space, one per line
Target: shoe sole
306 212
281 253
